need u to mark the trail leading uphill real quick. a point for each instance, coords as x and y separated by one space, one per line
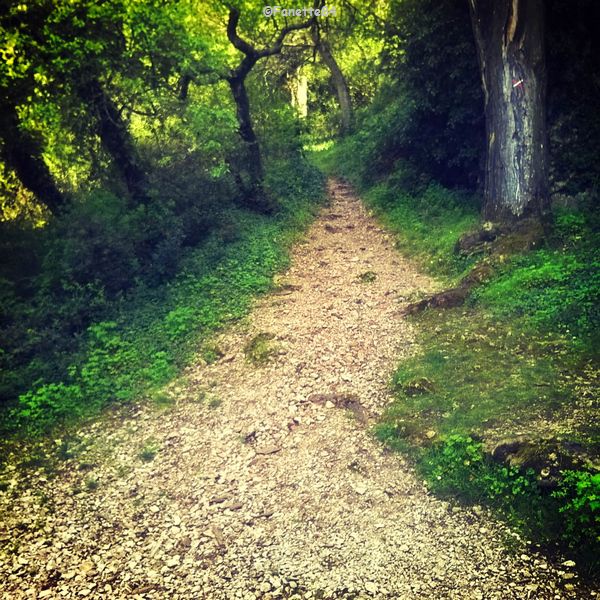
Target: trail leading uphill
262 480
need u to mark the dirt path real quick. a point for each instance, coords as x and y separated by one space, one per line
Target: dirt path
263 482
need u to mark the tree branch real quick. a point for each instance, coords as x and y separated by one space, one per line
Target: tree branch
250 51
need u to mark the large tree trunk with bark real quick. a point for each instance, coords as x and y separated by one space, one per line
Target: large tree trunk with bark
116 139
339 81
22 153
509 35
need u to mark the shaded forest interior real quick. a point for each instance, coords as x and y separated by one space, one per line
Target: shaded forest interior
157 161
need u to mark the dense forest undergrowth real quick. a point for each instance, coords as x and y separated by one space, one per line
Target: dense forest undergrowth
150 333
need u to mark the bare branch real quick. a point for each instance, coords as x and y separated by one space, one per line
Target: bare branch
278 45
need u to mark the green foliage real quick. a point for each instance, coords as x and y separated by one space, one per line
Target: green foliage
157 330
50 402
179 321
458 464
430 114
579 492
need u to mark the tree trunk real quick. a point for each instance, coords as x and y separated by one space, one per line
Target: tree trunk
22 153
252 160
115 139
252 163
339 81
299 92
509 35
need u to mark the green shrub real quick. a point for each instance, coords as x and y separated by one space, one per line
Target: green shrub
579 492
49 403
179 321
157 330
459 465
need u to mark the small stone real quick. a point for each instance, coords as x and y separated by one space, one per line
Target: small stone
371 587
569 563
86 566
268 450
329 404
265 587
430 434
360 488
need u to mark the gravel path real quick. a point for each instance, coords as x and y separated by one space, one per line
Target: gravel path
263 481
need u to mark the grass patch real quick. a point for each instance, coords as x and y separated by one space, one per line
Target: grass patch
367 277
91 484
149 451
260 349
215 402
162 400
211 353
476 373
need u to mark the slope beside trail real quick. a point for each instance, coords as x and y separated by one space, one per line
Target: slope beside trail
262 481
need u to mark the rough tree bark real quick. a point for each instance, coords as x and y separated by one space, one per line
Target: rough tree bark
509 35
115 139
339 81
22 153
251 159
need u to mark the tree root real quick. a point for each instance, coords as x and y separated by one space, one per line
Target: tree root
497 244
